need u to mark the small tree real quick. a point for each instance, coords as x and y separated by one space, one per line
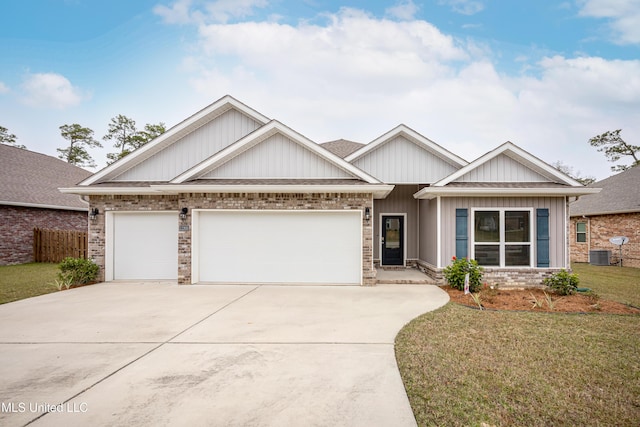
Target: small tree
122 131
80 138
9 138
614 148
568 170
149 133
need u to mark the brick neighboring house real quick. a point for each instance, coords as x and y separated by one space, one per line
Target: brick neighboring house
29 198
615 211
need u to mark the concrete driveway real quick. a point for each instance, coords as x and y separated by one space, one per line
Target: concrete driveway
160 354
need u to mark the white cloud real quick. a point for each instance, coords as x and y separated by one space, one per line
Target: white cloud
464 7
623 17
405 10
3 88
356 76
220 11
50 90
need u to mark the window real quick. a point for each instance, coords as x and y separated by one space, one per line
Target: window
502 238
581 232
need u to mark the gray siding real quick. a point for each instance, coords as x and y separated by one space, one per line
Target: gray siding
557 223
502 169
429 231
278 157
401 161
192 148
400 200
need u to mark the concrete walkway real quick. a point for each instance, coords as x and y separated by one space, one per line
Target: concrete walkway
159 354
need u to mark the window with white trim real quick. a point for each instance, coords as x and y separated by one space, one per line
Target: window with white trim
503 237
581 232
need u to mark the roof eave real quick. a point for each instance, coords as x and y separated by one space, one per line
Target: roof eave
44 206
622 211
433 192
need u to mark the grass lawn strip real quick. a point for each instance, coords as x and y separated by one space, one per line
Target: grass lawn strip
26 280
463 367
620 284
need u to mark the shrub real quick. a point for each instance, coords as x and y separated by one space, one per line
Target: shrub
562 282
77 271
455 272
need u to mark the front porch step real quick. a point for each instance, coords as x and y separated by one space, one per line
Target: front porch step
402 276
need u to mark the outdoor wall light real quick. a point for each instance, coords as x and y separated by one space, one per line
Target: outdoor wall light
367 214
183 213
93 214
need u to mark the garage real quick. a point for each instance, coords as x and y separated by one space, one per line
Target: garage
291 247
142 246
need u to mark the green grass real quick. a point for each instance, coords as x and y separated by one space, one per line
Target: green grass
620 284
26 280
465 367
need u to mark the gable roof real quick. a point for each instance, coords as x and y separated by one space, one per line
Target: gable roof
413 136
533 177
259 136
619 195
173 135
32 179
342 147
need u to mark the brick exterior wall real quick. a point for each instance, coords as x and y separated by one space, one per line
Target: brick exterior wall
273 201
600 229
17 224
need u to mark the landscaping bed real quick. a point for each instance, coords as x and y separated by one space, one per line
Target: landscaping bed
536 300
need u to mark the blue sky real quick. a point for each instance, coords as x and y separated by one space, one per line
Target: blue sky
468 74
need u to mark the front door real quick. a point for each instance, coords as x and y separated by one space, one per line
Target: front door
392 240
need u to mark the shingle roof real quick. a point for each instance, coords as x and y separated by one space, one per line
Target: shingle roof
28 178
342 147
619 194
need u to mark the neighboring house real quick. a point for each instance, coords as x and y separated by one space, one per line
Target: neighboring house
615 211
230 196
29 198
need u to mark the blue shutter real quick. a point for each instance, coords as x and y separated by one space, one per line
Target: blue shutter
542 240
462 246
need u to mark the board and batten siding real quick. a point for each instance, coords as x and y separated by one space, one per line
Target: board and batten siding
399 201
400 161
193 148
502 169
429 231
557 222
278 157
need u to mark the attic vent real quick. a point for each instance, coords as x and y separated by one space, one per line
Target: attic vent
599 257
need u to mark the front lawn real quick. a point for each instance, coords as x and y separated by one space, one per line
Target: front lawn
465 367
26 280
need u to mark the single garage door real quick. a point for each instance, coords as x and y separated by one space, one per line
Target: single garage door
145 245
319 247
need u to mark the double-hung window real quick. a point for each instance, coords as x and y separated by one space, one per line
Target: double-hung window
503 237
581 232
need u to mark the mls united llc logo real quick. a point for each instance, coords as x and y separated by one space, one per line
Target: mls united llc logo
22 407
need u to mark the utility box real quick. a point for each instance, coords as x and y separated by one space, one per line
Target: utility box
599 257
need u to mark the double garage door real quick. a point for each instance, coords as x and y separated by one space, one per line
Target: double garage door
320 247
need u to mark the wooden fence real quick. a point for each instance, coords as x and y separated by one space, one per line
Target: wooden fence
55 245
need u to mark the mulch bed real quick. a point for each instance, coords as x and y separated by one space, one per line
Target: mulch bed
523 300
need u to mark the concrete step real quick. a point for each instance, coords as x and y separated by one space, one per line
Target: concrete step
402 276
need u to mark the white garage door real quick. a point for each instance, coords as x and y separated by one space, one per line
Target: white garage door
145 245
323 247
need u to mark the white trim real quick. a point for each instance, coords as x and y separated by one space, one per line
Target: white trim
195 213
439 232
37 205
414 137
255 138
510 147
172 135
380 191
432 192
404 237
567 235
502 243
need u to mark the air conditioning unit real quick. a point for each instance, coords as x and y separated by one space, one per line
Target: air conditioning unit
599 257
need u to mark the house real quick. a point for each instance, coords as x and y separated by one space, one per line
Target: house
230 196
29 198
615 211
